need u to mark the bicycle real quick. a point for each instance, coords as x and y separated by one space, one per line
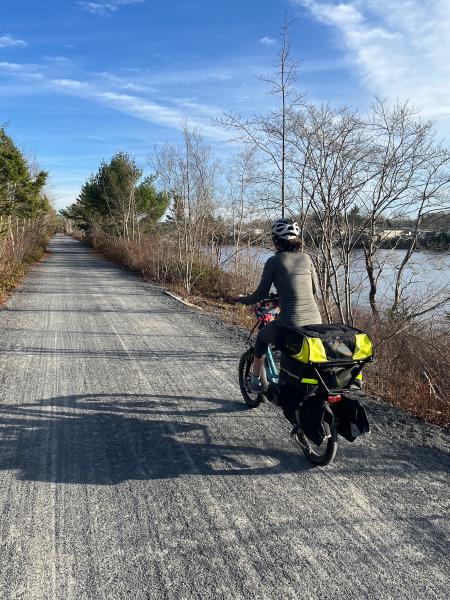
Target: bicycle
329 383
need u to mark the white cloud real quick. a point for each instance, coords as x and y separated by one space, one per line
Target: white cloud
171 112
106 8
133 87
7 41
139 107
267 41
72 84
56 59
159 114
18 67
164 98
401 49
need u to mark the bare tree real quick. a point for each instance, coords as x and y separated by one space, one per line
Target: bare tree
188 172
352 176
410 176
241 204
268 134
328 155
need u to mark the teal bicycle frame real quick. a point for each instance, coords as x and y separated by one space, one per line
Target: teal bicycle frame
271 368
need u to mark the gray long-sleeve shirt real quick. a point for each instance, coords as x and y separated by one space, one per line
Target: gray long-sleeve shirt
293 275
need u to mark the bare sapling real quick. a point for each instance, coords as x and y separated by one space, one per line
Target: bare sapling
268 134
242 208
188 172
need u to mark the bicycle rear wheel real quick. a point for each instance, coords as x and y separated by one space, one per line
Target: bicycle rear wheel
320 455
245 363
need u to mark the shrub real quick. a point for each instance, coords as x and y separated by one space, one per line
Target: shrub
411 367
156 259
22 241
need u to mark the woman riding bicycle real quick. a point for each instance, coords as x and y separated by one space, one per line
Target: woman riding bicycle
292 273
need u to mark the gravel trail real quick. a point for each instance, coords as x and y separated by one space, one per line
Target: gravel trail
131 469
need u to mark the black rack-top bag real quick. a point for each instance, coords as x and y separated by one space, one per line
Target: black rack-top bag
323 353
324 343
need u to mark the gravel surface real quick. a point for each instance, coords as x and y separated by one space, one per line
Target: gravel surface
130 467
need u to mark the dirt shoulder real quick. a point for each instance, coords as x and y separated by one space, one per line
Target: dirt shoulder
16 278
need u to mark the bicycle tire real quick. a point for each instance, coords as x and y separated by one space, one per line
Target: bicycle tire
319 456
254 400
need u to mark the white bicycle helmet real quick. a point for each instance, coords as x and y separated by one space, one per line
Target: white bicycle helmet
285 229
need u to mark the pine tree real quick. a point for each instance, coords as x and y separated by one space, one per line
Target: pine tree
21 191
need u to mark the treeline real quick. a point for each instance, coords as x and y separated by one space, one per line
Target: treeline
26 216
435 230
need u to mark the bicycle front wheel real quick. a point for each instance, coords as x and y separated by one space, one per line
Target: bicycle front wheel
245 363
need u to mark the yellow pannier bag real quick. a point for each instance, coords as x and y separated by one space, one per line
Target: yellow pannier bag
322 343
312 350
363 347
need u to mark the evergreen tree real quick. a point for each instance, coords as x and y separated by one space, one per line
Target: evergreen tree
114 201
150 203
20 190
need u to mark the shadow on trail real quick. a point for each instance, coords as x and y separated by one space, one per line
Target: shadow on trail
107 439
129 354
124 310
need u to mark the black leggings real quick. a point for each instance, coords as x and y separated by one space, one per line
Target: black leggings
267 335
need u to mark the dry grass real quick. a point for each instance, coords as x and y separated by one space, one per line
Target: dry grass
22 242
411 368
158 261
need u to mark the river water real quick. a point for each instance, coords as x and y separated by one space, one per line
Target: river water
428 274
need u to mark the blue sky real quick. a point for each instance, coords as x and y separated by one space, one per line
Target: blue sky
80 79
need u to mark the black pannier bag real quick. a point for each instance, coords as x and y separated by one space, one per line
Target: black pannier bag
305 379
296 374
351 418
323 354
315 415
289 399
316 419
